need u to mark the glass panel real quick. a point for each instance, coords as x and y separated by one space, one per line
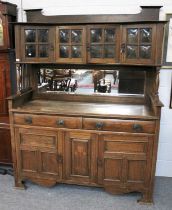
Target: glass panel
96 35
145 52
30 35
145 35
30 51
1 34
76 52
132 36
109 35
64 51
43 51
43 35
109 51
131 52
64 36
76 36
96 51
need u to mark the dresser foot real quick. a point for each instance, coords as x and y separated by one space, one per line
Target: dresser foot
20 185
146 199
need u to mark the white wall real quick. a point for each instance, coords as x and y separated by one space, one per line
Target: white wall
58 7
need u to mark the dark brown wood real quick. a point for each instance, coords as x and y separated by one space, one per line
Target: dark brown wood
148 13
7 86
94 139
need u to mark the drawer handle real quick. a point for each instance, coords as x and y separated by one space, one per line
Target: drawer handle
99 125
28 120
60 122
137 128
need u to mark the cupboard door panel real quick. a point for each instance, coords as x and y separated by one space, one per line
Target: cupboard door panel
103 43
71 44
38 152
80 157
29 161
138 44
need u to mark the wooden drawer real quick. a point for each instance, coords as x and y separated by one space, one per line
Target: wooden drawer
134 126
48 121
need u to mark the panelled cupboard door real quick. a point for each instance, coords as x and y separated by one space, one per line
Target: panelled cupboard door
80 153
38 43
38 153
124 159
71 44
138 44
103 44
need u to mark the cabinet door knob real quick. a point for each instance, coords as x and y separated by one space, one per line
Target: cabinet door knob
137 127
60 122
28 120
99 125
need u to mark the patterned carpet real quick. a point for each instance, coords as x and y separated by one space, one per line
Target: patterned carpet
67 197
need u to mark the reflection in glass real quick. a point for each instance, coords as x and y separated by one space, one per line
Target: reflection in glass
96 35
1 34
64 36
43 51
76 52
76 36
132 35
145 35
131 52
30 35
43 35
64 51
96 51
109 35
30 50
109 51
145 52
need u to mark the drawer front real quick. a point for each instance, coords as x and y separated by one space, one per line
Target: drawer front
48 121
133 126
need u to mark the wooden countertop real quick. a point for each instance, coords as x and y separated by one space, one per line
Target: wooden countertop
86 109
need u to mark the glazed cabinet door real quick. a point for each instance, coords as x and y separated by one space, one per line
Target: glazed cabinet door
39 153
70 45
37 43
124 160
103 44
80 155
138 44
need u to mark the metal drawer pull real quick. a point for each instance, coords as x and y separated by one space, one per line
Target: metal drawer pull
99 125
137 127
60 122
28 120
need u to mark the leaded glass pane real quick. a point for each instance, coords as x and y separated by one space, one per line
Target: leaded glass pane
42 35
145 52
30 35
43 51
76 52
64 51
131 52
30 50
132 36
96 51
145 35
64 36
109 51
76 36
109 35
96 35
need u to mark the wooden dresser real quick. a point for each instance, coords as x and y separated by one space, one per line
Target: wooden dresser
7 77
74 120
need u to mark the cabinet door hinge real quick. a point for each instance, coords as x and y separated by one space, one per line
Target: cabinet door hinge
99 162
